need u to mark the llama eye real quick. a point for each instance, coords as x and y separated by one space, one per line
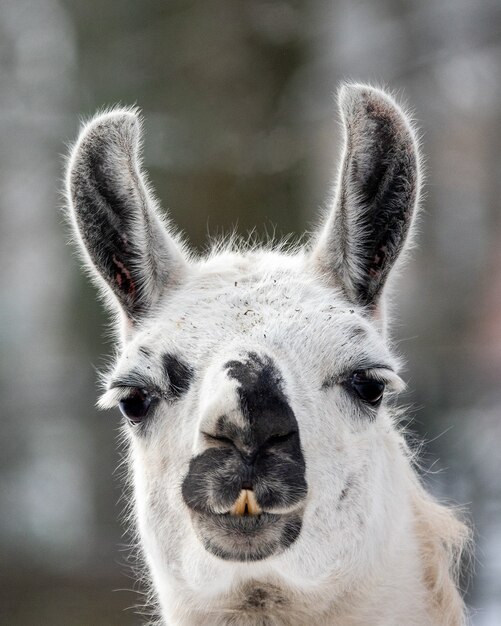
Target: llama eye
368 389
136 406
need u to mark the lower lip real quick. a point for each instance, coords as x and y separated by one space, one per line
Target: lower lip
246 538
244 523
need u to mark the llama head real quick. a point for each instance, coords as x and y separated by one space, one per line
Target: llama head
254 382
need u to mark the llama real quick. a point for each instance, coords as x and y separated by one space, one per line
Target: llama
272 483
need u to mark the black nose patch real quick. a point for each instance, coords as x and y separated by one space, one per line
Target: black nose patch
262 400
264 454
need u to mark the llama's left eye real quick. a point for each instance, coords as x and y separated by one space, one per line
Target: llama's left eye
368 389
136 406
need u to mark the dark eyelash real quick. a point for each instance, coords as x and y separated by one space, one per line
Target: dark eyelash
367 370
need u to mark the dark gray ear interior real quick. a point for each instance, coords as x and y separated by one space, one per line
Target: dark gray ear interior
376 196
116 216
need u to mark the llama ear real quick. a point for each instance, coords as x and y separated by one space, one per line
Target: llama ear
376 195
115 216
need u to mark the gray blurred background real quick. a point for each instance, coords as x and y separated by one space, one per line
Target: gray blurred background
241 130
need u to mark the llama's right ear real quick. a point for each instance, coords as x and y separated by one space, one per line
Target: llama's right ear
376 196
116 219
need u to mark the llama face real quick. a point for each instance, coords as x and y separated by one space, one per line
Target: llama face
251 376
254 383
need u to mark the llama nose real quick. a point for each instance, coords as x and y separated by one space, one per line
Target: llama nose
263 418
251 442
248 451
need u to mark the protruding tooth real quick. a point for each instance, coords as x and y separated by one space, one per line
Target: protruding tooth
246 504
240 504
252 505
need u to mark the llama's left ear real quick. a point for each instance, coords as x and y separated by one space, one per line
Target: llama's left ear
120 231
376 196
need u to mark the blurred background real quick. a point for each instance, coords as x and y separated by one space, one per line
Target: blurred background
241 129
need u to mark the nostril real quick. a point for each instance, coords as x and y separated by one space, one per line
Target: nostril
226 441
276 440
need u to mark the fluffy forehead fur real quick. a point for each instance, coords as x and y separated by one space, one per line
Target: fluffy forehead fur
261 298
250 357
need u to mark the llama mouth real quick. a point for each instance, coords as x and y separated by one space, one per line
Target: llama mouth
248 537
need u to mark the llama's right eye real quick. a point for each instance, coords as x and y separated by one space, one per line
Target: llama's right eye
136 406
367 389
